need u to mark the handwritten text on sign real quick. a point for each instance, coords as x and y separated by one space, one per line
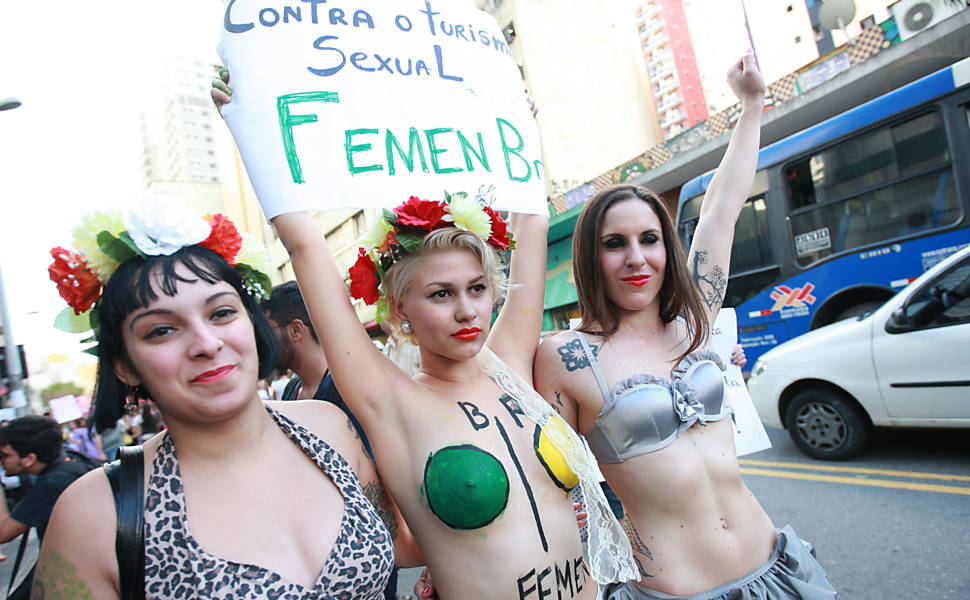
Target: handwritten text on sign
362 104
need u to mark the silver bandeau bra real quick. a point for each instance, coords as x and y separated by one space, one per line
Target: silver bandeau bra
646 413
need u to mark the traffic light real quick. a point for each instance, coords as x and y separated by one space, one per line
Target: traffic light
3 362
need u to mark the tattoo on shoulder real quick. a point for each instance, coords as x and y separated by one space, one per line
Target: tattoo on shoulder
57 578
712 284
353 430
573 356
636 543
382 504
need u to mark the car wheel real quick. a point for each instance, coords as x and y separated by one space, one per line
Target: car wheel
858 309
825 425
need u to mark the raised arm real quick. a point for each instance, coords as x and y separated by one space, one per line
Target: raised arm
709 256
367 380
515 335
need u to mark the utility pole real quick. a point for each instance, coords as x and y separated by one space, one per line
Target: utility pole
15 370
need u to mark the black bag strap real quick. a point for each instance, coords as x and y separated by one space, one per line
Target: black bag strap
17 561
127 478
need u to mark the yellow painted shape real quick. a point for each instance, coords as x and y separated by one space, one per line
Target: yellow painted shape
553 458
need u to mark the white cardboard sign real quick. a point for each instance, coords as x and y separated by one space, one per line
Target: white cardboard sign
749 432
65 409
340 104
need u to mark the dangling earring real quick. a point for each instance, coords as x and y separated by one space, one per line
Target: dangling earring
131 401
406 328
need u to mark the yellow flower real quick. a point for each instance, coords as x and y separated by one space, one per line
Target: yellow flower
86 241
467 214
253 253
376 233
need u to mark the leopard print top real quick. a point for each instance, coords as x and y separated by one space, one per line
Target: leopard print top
176 567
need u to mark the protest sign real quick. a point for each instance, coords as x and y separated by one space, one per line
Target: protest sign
65 409
362 104
749 432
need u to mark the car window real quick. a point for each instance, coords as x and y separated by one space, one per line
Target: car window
945 301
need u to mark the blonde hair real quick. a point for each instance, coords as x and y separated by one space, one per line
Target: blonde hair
397 279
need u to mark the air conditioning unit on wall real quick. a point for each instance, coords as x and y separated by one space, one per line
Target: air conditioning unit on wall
914 16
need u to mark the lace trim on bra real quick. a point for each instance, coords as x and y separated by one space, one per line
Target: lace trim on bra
679 372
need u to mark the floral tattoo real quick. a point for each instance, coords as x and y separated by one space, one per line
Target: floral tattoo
573 355
711 285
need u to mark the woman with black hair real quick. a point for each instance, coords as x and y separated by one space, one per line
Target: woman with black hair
244 499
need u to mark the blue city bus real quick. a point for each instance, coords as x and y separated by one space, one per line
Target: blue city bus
845 213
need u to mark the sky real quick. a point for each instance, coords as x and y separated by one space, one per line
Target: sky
83 71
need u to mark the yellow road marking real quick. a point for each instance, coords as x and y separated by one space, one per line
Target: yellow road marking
885 483
861 470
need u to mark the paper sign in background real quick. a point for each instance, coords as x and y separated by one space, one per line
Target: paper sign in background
363 104
749 432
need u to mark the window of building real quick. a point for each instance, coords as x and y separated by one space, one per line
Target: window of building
867 22
798 39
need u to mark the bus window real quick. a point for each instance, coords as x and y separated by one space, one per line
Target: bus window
908 207
687 221
889 165
752 239
872 159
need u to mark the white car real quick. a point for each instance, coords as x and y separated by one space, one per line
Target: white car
905 364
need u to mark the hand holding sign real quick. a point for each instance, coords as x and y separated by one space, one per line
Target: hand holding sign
366 104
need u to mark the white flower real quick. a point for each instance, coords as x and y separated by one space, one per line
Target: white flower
468 214
253 253
376 233
86 241
163 225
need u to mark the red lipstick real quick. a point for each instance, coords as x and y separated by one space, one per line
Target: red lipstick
214 375
467 334
637 280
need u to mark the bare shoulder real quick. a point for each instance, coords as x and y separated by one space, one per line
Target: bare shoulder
564 352
326 421
77 559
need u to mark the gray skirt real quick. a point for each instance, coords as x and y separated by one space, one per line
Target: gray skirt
791 572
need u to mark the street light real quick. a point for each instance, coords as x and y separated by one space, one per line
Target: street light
9 103
15 370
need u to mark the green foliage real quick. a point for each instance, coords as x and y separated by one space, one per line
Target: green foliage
61 388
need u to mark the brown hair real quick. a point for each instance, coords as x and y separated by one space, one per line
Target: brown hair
679 295
397 279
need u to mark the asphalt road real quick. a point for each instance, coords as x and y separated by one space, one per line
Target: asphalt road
893 523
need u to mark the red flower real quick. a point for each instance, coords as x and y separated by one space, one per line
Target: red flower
500 230
363 279
422 214
224 239
76 284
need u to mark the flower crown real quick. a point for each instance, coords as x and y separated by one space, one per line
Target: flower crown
106 240
400 232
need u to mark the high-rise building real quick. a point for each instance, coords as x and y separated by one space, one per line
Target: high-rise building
179 132
580 61
675 79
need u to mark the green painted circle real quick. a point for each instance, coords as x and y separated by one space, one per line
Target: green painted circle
466 486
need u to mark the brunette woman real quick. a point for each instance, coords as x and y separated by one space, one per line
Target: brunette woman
244 499
639 380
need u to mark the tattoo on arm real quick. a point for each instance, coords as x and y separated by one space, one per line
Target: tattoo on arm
573 355
350 426
636 543
382 504
56 578
559 402
713 284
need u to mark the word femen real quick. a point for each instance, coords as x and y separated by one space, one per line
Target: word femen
566 579
474 153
